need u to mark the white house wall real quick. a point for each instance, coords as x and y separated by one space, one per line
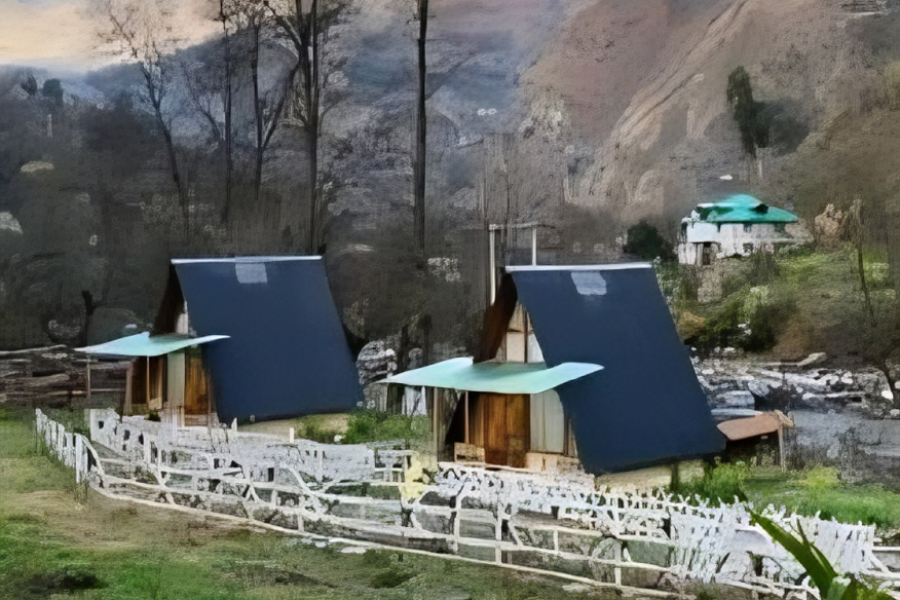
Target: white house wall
736 239
698 233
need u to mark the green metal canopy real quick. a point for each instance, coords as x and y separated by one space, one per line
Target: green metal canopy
494 377
143 344
743 208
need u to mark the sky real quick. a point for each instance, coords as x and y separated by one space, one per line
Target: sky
62 34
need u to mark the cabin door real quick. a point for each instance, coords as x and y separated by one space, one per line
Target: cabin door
506 429
196 385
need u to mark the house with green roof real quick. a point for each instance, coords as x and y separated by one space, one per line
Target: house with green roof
736 226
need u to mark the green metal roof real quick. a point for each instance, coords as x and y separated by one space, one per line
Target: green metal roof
143 344
493 377
743 208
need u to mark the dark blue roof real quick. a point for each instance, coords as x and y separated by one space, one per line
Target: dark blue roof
287 354
646 407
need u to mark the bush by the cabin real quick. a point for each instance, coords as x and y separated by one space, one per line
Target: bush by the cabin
319 430
367 426
750 319
721 483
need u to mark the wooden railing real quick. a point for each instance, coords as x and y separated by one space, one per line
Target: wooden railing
613 537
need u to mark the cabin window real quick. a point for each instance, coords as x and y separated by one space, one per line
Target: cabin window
548 423
249 273
589 283
748 248
706 254
748 227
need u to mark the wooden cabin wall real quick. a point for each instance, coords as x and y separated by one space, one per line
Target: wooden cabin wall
198 391
507 429
476 420
496 320
157 382
479 426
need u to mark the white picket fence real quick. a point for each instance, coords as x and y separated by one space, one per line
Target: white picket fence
609 536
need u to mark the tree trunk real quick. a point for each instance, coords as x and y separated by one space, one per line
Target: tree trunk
176 177
883 367
257 115
860 265
90 306
312 240
229 150
229 155
312 89
421 130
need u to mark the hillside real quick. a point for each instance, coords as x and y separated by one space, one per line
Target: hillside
645 84
583 115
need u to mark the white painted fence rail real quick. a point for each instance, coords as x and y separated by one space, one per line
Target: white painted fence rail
614 537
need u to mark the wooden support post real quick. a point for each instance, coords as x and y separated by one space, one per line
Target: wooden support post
493 267
129 382
466 407
525 334
147 383
87 390
434 410
781 447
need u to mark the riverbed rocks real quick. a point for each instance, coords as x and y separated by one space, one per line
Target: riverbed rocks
807 384
842 417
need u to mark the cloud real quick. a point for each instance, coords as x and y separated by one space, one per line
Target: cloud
46 33
63 33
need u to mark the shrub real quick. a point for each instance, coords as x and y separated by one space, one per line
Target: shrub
830 583
750 320
377 426
820 479
766 322
318 431
721 327
644 241
721 483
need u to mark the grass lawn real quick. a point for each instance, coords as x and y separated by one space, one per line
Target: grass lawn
52 546
818 490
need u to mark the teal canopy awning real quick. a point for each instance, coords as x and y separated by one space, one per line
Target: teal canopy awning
743 208
144 344
493 377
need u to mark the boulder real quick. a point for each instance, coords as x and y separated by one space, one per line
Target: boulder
735 399
813 359
376 361
762 387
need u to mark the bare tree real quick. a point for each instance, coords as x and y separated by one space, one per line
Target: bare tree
268 104
212 89
306 26
138 31
877 322
421 131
